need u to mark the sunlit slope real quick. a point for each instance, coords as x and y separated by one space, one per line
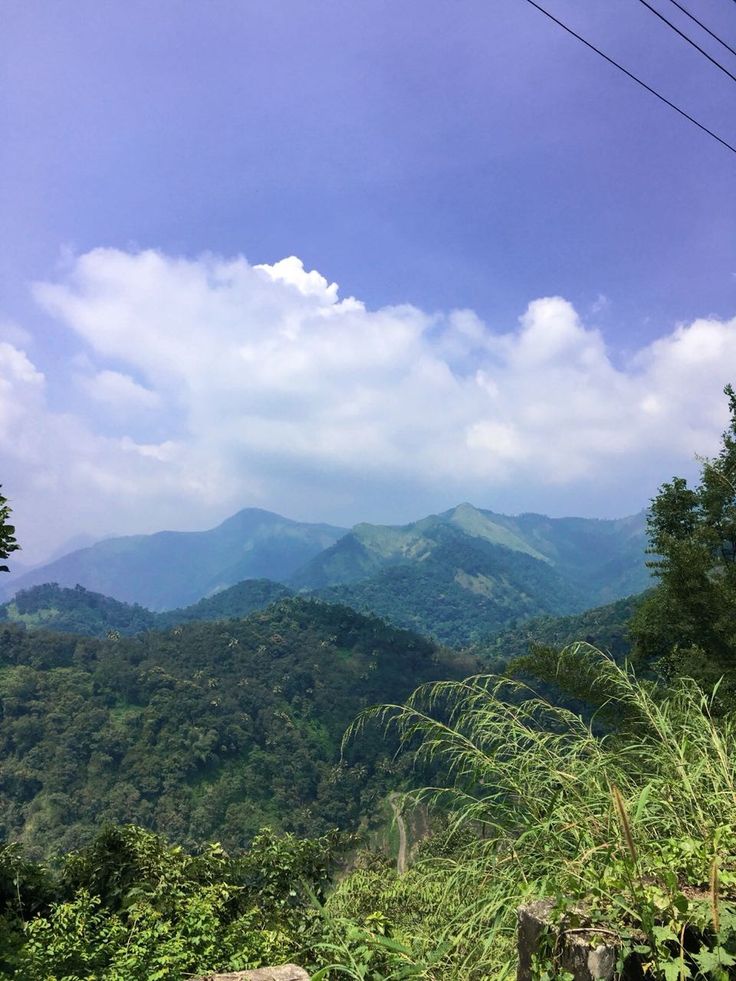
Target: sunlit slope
466 574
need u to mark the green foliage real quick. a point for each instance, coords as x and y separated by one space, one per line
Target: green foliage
623 831
132 907
605 627
206 730
8 544
687 622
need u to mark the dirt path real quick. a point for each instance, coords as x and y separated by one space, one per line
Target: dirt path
401 824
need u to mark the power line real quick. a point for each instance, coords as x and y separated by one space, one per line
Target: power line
631 75
688 39
704 27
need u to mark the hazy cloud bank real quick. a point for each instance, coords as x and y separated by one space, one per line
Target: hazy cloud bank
200 386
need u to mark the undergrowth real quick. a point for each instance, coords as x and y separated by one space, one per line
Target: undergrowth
631 829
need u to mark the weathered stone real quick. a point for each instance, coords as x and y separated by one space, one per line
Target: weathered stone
286 972
579 950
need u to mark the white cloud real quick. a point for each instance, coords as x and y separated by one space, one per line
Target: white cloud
261 386
119 391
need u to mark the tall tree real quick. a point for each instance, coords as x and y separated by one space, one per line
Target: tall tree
690 618
8 543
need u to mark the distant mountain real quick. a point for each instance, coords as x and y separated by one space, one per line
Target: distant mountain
90 614
174 568
461 576
467 574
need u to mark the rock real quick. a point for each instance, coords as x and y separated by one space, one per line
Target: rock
286 972
583 952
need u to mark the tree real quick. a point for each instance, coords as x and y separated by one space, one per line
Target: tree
8 543
689 620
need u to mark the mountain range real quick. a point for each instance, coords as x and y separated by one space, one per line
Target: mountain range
462 576
175 568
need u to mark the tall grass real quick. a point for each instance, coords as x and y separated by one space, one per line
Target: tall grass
621 820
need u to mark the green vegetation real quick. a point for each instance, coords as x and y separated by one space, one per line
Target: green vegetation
206 730
132 907
8 543
604 627
80 611
633 831
687 623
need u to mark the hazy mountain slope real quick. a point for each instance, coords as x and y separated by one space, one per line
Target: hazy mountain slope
237 601
81 611
466 574
206 732
459 589
172 569
602 559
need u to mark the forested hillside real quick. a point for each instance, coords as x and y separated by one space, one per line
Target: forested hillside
465 575
465 589
605 627
206 730
76 611
600 559
90 614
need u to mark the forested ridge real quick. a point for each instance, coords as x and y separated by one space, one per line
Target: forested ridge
82 611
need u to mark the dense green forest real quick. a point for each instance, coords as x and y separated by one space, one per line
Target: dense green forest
81 611
205 730
76 611
605 627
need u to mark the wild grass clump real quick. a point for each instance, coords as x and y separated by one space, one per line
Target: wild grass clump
636 825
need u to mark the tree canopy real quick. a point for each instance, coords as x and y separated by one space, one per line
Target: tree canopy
687 622
8 543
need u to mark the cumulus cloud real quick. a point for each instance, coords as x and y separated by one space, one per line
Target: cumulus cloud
259 385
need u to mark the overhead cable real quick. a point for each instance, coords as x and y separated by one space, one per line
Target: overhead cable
704 27
689 40
632 76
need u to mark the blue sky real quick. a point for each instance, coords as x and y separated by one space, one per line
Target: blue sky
427 157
